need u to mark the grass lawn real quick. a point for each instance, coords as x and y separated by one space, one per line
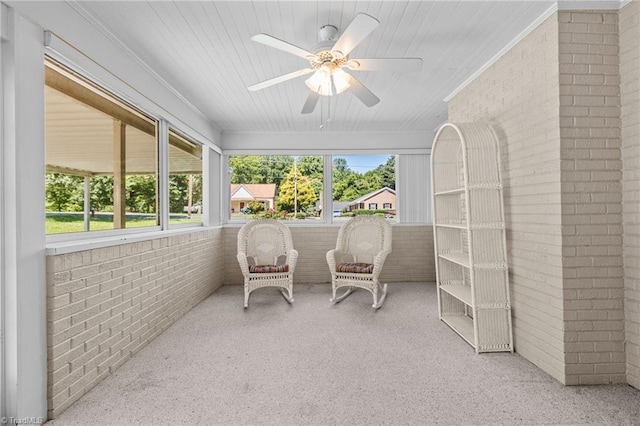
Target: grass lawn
61 223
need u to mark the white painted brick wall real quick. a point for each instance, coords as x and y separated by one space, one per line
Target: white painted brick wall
106 304
591 197
630 127
520 95
563 191
412 257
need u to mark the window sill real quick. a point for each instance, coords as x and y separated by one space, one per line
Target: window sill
63 247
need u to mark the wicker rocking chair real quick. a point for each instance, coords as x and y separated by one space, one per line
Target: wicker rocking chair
364 243
266 257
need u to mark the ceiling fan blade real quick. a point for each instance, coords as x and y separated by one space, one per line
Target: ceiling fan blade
361 26
386 64
271 41
280 79
310 104
362 93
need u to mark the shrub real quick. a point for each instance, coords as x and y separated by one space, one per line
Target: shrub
301 215
375 212
256 207
269 214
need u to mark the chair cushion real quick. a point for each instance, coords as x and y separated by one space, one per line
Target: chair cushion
268 269
356 268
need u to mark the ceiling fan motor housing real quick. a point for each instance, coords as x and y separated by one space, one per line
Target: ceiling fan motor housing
328 34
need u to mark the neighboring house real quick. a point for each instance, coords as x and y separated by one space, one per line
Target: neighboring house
382 199
244 193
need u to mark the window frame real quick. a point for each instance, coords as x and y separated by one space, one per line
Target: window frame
203 147
85 91
163 127
327 156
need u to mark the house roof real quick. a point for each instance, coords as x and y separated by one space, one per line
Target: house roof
256 190
365 197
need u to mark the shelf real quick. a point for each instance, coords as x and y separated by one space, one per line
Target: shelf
451 192
461 292
452 225
469 235
463 325
459 258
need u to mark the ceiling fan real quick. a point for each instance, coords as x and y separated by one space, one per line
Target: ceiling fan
329 58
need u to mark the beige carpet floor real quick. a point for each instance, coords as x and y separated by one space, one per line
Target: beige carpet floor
317 363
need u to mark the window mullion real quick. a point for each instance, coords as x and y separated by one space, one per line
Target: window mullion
327 200
163 173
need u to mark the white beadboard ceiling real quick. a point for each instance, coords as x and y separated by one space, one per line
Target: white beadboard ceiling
204 50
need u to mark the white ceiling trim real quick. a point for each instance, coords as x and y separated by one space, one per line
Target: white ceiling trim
327 142
591 5
561 5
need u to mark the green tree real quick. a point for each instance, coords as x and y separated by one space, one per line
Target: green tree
64 192
101 192
274 168
296 186
141 193
349 185
246 169
355 185
340 165
342 175
312 167
259 168
196 190
387 173
179 192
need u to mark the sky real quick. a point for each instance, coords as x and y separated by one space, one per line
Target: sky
364 163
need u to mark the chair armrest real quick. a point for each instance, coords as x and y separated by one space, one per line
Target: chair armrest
378 262
292 259
244 264
331 260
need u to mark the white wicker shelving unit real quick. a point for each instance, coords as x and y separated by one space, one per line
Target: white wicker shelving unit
469 236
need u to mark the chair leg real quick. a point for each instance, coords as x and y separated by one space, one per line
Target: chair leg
246 297
346 294
377 304
287 294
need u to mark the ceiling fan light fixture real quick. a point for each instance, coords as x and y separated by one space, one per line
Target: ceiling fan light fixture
340 80
320 81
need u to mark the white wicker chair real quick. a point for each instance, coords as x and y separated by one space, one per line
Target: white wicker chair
266 257
364 242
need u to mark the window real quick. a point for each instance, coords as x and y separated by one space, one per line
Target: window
278 186
288 187
386 206
361 183
101 158
185 180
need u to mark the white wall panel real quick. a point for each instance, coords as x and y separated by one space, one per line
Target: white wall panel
23 219
413 185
